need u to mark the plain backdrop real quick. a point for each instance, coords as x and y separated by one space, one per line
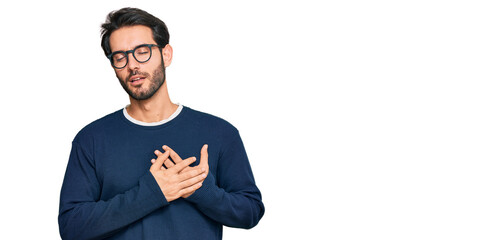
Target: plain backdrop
362 119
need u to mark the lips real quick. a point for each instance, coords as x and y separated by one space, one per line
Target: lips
136 80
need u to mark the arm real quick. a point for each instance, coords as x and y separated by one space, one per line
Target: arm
235 201
83 216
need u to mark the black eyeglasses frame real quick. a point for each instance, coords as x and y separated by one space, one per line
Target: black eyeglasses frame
126 53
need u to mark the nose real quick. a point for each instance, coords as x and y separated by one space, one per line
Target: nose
132 63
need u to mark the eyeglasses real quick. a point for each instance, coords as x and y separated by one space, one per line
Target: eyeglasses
141 53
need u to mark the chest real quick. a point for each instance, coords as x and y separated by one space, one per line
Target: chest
121 161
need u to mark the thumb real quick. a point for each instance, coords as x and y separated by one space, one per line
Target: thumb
204 157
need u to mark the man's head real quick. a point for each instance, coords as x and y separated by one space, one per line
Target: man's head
137 45
132 17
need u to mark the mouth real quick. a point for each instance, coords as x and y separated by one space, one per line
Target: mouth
136 80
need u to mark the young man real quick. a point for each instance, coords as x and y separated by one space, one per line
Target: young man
126 178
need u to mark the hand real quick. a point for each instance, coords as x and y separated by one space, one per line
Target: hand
203 164
173 182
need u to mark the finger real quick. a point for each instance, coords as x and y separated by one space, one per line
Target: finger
191 189
193 180
168 162
192 173
188 168
160 159
183 164
204 157
163 166
176 158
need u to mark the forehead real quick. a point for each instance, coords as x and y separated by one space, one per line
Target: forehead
126 38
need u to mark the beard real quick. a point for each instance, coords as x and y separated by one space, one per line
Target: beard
157 79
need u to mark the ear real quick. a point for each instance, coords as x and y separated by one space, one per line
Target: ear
167 54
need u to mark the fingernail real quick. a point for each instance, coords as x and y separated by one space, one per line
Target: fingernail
157 152
165 147
202 169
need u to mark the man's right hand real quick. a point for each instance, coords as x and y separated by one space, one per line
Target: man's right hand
173 182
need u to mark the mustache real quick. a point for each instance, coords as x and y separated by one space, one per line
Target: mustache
136 72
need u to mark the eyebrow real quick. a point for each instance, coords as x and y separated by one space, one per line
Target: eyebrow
133 47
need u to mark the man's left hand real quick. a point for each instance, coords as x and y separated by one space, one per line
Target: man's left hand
177 159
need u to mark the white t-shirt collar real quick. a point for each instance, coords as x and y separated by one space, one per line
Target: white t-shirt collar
131 119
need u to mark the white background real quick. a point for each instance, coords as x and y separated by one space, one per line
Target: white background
361 119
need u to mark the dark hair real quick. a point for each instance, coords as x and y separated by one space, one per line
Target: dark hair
131 17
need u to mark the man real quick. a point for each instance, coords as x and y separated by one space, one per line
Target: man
126 176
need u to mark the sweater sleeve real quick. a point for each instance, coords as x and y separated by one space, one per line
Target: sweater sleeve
231 197
83 216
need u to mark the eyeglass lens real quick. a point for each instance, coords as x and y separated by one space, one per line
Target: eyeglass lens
140 53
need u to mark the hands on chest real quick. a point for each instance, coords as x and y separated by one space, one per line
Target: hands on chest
175 177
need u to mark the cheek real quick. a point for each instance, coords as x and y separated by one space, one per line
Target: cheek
121 75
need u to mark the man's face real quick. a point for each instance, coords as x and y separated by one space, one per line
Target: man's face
140 80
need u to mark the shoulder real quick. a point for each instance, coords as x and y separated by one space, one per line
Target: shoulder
98 126
206 120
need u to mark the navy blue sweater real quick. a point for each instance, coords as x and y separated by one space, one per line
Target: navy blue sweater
109 193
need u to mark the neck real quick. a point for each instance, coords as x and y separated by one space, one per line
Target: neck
154 109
